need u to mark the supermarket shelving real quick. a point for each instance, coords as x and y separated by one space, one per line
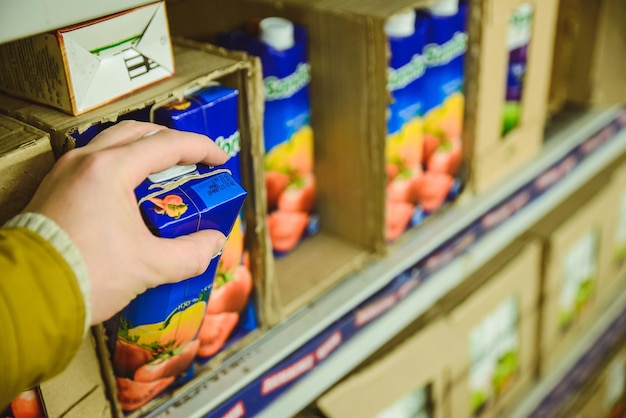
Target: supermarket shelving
283 371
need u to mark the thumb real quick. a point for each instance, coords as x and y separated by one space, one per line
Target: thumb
188 255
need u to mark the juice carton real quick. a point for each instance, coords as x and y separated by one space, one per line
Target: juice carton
157 335
290 181
520 31
446 43
26 404
230 314
404 144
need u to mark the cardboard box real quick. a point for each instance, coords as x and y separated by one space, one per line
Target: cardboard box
25 158
495 329
409 378
65 13
197 65
81 67
590 53
348 55
614 256
493 157
80 389
575 288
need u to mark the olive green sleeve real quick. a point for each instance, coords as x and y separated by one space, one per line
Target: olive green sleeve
43 311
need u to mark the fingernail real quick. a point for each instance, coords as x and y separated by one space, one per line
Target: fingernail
220 242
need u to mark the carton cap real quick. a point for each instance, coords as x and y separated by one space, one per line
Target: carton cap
170 173
277 33
445 8
401 24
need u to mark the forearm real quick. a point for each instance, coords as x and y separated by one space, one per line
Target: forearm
42 306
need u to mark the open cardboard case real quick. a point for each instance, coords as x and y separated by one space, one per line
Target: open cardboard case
348 53
491 156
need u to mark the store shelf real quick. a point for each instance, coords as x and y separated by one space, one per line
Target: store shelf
293 363
547 398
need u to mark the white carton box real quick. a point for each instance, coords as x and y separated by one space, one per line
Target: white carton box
81 67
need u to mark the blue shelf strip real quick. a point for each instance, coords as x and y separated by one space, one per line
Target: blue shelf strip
261 392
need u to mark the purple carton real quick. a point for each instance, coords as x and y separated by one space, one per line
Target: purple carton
157 337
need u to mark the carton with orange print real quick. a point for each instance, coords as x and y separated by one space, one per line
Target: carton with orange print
157 335
231 312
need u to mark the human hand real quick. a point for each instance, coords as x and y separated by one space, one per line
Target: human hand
89 193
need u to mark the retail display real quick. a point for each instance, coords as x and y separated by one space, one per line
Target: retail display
424 203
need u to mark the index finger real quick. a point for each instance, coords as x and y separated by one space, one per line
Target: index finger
164 149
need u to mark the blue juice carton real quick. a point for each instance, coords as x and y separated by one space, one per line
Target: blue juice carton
230 314
404 142
157 336
290 181
444 54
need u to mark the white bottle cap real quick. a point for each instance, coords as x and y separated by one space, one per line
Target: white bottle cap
401 24
170 173
445 8
277 33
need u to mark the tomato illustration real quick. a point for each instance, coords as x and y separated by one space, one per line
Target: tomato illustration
275 183
231 291
215 331
132 394
299 196
286 228
27 405
129 357
402 188
169 364
398 216
432 190
447 158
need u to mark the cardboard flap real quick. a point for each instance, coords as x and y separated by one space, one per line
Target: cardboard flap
83 67
154 37
110 57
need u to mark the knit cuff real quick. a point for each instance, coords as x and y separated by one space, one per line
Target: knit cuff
58 238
